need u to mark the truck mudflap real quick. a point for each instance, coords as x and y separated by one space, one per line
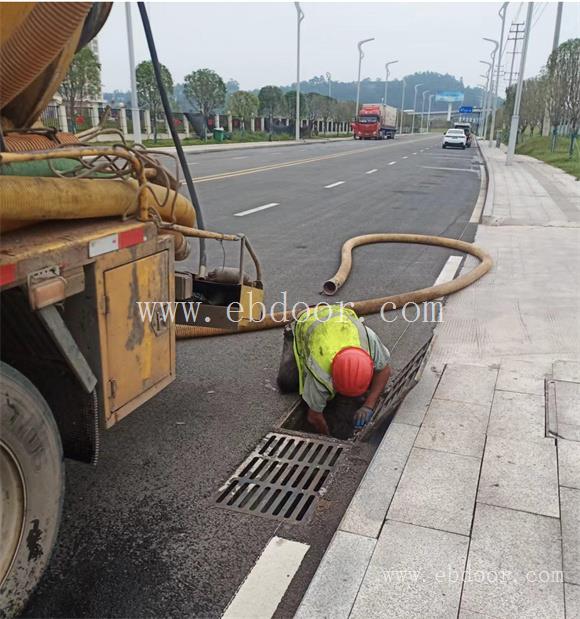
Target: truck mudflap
401 384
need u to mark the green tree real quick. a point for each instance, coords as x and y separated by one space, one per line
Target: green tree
82 82
243 105
147 91
206 90
563 79
271 102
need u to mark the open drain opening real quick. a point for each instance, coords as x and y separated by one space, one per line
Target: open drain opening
282 478
340 411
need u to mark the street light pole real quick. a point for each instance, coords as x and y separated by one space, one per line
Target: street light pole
299 18
429 113
493 91
556 40
486 97
136 119
502 13
387 76
360 57
516 115
425 92
402 106
415 107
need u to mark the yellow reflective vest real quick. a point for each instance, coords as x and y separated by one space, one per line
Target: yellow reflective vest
321 332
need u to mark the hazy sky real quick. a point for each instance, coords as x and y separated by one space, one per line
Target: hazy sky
255 43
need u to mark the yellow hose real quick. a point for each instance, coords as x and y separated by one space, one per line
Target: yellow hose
30 199
370 306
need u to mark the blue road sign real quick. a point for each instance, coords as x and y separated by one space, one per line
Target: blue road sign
466 109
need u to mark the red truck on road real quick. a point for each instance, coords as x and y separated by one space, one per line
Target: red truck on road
376 122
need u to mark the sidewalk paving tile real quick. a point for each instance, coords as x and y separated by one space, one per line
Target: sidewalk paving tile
509 555
437 490
572 596
455 427
518 416
335 585
520 475
412 574
569 463
523 376
467 383
415 404
368 508
566 370
570 499
568 410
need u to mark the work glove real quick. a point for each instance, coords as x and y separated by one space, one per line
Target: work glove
362 416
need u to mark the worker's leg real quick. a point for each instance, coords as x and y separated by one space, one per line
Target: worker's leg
288 379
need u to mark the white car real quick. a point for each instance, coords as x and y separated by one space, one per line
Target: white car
455 138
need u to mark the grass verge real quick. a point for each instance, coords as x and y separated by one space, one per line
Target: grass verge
539 147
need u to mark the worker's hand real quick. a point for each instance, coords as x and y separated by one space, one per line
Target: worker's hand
362 417
318 421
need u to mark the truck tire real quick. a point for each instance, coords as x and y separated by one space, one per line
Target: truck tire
32 482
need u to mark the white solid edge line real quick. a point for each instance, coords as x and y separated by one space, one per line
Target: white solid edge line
449 271
372 171
255 210
241 157
266 584
392 163
334 185
431 167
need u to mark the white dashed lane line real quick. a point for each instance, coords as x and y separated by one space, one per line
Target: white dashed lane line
405 157
334 185
242 157
255 210
392 163
372 171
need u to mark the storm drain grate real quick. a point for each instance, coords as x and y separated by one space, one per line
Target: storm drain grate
282 478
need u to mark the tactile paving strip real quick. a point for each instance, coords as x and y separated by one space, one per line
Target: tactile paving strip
282 478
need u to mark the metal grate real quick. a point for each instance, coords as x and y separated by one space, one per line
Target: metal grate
398 388
282 478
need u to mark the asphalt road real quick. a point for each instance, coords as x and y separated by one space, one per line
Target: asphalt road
139 535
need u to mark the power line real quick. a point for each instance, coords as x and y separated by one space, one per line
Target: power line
541 11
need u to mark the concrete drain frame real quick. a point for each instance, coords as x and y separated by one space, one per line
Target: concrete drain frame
282 478
285 475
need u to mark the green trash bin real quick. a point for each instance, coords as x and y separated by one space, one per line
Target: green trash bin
218 134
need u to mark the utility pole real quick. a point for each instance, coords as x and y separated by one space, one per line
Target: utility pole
556 41
415 107
299 18
402 106
361 55
518 35
516 115
429 113
329 80
555 44
502 13
425 92
387 76
486 97
135 118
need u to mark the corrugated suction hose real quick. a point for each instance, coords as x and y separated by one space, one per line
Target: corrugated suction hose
370 306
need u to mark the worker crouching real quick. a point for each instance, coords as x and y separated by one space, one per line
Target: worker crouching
328 350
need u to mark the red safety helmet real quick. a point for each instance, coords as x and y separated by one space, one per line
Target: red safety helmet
352 371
